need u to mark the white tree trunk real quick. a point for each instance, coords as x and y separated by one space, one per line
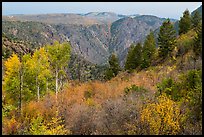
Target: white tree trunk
47 86
38 88
56 76
21 88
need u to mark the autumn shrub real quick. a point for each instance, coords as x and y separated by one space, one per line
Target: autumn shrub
80 119
10 126
7 110
161 117
106 118
37 127
187 91
54 127
90 102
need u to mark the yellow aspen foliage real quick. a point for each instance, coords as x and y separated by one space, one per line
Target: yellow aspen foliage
54 127
162 117
12 66
11 79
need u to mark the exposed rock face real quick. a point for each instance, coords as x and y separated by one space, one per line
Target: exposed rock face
18 47
90 42
33 32
93 36
128 30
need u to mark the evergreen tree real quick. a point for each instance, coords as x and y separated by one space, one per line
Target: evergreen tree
148 51
129 64
197 46
185 22
138 55
134 57
114 67
166 39
196 19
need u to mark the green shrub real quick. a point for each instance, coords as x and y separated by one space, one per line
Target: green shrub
134 89
189 89
171 88
88 94
192 83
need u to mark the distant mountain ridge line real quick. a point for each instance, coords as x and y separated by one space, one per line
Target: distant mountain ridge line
90 15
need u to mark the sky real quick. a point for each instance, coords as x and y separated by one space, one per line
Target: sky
160 9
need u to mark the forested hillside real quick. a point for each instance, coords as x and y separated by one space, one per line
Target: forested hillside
48 88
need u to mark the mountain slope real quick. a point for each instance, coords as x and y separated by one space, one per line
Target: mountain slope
18 47
90 42
34 32
128 30
199 9
94 36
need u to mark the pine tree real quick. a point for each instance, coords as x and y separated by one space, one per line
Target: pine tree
196 19
129 64
134 57
197 46
166 39
114 67
185 22
149 50
138 55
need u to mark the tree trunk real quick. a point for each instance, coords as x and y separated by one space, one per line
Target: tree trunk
38 89
21 87
60 82
56 82
56 89
47 86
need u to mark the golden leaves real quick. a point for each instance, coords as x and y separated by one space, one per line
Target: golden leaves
12 65
162 116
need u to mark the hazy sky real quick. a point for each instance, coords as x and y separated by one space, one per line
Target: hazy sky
160 9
